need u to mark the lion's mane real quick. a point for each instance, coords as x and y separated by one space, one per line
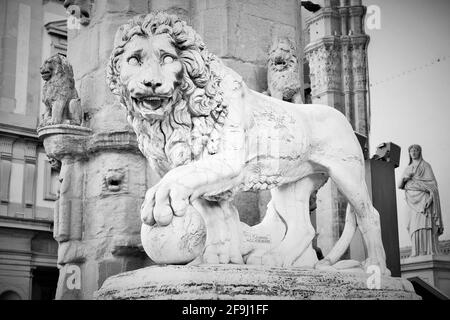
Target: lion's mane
192 128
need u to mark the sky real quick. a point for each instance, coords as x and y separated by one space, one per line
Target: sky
410 89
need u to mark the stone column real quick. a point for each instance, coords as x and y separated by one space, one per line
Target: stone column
348 80
337 54
359 57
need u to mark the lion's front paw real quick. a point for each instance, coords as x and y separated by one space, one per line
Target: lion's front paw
164 200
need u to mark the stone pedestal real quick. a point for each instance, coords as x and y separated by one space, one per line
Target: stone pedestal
246 282
103 180
434 269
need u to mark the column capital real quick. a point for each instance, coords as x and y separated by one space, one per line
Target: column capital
357 11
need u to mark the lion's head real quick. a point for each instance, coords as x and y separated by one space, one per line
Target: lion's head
57 67
164 77
282 55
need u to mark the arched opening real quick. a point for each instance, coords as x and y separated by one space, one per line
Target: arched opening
10 295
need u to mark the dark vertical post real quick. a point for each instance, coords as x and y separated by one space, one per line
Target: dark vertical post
383 192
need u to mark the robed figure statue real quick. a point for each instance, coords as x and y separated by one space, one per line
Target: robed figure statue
424 209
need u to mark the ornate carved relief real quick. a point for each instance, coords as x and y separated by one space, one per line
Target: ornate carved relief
325 67
347 67
339 65
359 66
115 181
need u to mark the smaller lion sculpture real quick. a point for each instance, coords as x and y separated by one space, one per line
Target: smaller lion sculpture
60 97
283 77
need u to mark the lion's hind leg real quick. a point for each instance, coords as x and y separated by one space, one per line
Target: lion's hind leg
291 201
349 177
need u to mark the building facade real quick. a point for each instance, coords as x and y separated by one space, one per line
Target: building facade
30 31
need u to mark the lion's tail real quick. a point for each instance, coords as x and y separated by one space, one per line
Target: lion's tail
347 235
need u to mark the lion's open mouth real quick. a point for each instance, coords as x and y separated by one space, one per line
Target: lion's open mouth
153 102
279 62
151 107
46 75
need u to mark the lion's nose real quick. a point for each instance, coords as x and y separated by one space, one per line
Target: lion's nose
152 83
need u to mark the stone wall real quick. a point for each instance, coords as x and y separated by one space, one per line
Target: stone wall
27 183
241 32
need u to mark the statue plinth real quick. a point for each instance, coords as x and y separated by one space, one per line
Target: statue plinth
248 282
61 140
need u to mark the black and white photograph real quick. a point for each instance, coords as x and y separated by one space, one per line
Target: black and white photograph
213 157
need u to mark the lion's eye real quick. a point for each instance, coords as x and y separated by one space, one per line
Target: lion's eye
134 61
167 59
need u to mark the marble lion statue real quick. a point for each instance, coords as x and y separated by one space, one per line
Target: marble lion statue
209 136
283 76
59 94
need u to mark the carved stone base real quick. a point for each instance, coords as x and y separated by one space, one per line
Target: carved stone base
64 139
217 282
434 269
